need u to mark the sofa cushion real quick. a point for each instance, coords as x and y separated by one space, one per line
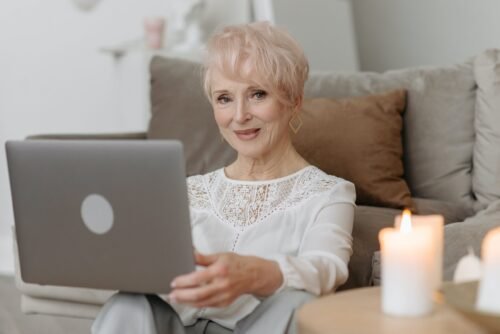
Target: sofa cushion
438 123
368 221
486 172
181 111
358 139
458 237
451 211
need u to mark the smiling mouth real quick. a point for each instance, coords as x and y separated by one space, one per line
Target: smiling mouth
247 134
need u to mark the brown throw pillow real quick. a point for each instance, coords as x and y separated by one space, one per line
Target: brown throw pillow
359 139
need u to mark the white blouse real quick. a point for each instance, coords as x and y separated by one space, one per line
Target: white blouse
302 221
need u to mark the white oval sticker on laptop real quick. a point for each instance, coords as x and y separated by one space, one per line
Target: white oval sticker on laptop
97 214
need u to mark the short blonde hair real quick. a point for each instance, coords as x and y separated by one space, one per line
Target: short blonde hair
261 53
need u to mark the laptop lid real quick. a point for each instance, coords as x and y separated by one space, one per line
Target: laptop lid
101 214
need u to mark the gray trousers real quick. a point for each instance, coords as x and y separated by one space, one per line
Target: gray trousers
127 313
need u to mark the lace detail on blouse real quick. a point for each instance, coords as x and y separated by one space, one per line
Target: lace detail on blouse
197 193
243 203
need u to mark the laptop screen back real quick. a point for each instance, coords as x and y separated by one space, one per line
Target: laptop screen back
101 214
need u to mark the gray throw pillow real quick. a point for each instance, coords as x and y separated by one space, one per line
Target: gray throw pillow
486 172
181 111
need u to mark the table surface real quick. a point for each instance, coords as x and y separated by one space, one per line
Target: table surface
359 311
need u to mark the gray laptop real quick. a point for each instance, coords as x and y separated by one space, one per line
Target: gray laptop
101 214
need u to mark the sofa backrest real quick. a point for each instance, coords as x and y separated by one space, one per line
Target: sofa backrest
440 123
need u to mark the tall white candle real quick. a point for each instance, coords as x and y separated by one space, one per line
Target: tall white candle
488 299
407 270
436 223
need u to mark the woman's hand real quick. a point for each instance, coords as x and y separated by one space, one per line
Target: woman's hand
226 277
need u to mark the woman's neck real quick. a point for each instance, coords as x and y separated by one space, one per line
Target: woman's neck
274 166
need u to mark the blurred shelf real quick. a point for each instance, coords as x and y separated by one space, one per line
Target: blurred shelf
118 51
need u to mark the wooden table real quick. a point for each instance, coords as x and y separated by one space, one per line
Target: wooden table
359 311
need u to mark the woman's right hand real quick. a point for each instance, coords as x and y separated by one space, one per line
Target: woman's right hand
226 276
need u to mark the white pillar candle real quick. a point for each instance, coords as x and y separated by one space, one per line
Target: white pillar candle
436 223
407 270
488 299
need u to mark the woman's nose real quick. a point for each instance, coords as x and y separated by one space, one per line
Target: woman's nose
241 114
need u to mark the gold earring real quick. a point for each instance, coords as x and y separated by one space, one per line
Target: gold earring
295 123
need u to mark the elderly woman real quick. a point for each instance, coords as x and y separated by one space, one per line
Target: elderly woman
270 230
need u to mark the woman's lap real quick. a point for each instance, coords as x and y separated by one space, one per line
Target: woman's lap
167 320
275 314
127 313
149 314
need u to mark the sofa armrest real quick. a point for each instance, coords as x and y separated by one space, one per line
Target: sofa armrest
469 233
58 307
90 136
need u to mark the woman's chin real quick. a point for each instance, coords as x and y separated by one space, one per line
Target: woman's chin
252 151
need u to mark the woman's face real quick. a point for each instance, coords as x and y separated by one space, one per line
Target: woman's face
250 118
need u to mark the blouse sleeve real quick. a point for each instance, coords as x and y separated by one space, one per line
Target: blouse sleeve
321 264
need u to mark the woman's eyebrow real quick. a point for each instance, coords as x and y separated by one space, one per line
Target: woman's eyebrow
255 88
219 91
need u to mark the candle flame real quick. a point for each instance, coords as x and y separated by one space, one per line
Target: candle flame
406 222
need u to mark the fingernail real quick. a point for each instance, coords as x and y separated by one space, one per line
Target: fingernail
172 284
172 298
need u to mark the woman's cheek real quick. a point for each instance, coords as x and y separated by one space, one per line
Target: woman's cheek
222 119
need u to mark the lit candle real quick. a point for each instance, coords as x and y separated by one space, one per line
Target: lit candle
436 223
407 269
489 287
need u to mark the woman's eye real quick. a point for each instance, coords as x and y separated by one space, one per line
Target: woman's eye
223 99
259 94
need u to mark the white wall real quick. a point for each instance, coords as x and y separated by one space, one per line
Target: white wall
403 33
53 79
324 28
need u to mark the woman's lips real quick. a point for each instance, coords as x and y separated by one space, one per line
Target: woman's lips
247 134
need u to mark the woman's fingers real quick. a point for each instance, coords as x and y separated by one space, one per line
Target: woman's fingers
219 284
205 260
192 279
198 277
199 295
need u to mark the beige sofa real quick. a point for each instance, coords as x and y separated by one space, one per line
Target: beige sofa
451 139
